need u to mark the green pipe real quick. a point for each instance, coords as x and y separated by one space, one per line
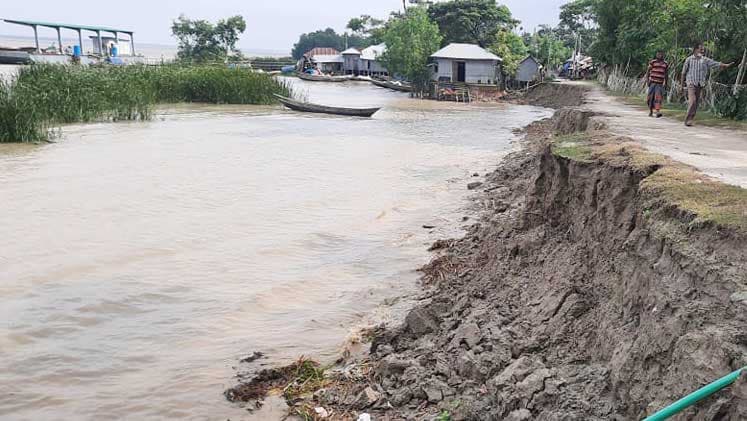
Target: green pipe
695 397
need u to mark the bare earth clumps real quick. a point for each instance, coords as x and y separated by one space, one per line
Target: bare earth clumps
591 289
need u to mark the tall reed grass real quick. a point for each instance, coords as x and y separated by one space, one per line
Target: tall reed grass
45 96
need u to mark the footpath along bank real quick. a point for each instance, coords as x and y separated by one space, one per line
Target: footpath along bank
602 282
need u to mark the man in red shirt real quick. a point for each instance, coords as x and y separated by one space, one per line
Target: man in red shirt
657 76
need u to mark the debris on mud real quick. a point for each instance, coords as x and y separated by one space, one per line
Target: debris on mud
293 381
252 358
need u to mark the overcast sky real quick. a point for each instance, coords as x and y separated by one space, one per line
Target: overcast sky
271 24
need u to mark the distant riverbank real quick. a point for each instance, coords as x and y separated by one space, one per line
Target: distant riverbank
150 50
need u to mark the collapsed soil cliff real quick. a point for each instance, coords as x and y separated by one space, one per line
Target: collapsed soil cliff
582 294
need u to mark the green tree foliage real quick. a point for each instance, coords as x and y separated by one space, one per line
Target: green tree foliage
577 24
629 33
410 40
511 48
547 46
368 28
201 41
471 21
327 38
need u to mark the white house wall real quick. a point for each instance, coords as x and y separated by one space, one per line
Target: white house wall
476 71
480 72
528 71
444 69
371 66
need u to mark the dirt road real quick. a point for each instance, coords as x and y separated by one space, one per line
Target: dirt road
720 153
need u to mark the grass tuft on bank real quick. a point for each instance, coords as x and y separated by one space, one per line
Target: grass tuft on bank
708 199
575 147
44 96
668 182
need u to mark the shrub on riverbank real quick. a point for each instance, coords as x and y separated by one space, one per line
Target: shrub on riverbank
42 96
18 121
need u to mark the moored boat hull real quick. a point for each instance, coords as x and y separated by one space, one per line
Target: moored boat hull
14 57
323 78
392 86
323 109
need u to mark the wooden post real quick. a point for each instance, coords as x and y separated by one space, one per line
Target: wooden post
132 44
59 40
740 74
80 41
36 39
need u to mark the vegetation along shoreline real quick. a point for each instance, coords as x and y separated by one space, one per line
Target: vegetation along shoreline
43 96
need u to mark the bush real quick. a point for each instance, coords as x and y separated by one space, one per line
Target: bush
42 96
733 106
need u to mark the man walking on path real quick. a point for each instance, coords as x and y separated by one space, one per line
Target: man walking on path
694 76
656 76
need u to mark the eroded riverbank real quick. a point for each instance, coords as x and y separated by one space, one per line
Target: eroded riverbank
602 282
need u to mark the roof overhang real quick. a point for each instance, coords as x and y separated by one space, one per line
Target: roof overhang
68 26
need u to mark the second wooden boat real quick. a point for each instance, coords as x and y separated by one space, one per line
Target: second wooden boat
392 85
323 109
323 78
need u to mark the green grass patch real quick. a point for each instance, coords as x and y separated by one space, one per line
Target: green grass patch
44 96
678 112
575 146
709 199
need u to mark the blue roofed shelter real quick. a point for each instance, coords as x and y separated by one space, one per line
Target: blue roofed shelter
98 40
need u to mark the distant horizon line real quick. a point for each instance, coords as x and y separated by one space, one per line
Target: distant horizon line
147 43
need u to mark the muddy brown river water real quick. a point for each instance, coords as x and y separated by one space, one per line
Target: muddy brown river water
140 261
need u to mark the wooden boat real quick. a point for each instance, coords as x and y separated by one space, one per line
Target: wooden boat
323 78
391 85
323 109
14 57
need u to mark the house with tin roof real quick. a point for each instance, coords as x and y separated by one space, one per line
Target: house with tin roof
371 64
466 63
529 70
351 61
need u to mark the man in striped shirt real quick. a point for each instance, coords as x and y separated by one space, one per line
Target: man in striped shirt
656 75
694 77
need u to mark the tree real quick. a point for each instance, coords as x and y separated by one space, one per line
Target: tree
202 41
364 25
578 24
471 21
547 47
511 48
630 32
368 28
327 38
410 41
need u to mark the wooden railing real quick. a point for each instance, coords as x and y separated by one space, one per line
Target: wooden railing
451 91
